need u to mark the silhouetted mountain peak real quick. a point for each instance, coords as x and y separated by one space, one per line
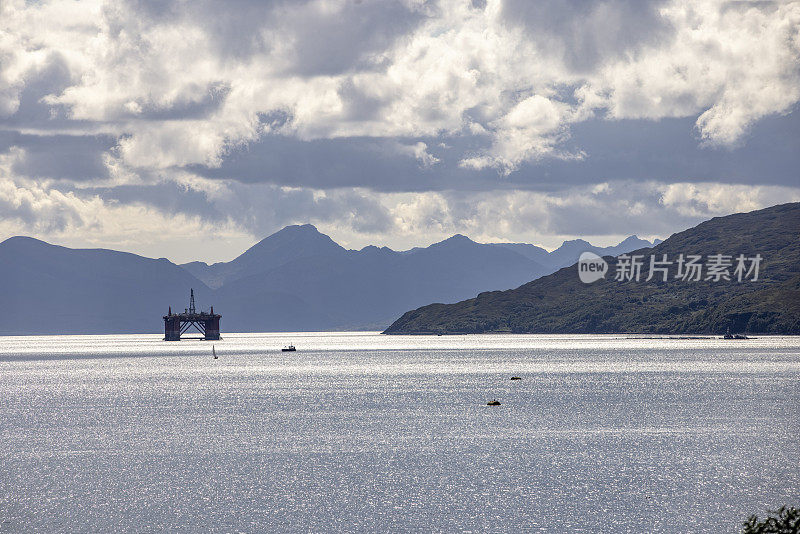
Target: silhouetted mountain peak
192 264
372 249
458 240
572 244
634 240
299 229
295 231
287 245
303 237
23 242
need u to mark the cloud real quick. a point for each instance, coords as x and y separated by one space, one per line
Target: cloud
734 63
75 218
229 215
382 119
182 86
605 213
583 35
531 130
707 200
69 157
419 151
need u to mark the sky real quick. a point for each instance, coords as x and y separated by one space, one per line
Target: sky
190 130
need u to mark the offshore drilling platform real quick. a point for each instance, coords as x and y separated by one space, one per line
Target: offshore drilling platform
176 324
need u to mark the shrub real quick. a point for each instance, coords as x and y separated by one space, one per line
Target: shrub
784 521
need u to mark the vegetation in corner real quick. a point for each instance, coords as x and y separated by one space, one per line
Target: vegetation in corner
783 521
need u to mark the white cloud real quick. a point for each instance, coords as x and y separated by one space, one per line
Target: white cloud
419 151
605 213
36 208
732 62
457 86
705 200
459 70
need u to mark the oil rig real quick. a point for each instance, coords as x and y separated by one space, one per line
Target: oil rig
176 324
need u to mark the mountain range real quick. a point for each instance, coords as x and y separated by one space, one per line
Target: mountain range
294 280
562 303
48 289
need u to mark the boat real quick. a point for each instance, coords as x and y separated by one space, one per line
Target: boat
288 348
493 403
516 378
728 335
214 351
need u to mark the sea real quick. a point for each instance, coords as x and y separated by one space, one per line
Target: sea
362 432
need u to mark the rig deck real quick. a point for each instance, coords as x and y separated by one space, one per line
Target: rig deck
176 324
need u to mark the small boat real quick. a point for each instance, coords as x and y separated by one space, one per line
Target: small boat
728 335
214 351
493 403
288 348
516 378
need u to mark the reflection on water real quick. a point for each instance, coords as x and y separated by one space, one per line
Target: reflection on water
362 432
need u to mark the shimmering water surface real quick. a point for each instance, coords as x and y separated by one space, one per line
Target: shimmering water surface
363 432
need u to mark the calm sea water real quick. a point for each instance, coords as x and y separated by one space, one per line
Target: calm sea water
363 432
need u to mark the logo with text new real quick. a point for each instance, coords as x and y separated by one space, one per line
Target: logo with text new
591 267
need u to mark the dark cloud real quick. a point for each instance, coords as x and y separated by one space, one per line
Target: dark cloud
585 33
167 196
234 25
259 208
69 157
358 105
52 77
346 162
625 208
212 98
323 41
350 38
664 150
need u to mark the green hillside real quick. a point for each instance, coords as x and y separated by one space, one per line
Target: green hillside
561 303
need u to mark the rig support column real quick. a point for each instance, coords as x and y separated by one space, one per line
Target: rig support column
212 327
172 327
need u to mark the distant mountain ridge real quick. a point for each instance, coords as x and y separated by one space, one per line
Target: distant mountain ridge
302 241
295 279
561 303
569 251
367 288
